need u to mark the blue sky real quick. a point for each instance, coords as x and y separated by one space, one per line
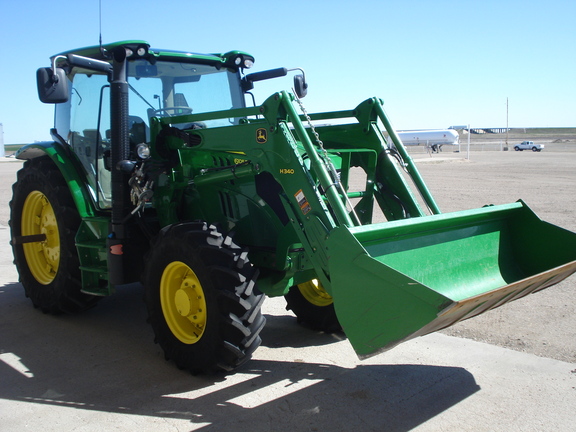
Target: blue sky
435 63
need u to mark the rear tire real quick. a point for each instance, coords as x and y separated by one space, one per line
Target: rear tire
49 270
202 300
313 307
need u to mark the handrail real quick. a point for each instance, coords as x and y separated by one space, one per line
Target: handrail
410 166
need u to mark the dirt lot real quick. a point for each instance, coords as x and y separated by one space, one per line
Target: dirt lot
544 323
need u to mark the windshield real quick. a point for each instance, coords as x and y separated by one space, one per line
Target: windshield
169 89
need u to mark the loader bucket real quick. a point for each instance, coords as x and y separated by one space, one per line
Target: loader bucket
397 280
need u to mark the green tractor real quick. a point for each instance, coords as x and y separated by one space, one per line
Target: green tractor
160 171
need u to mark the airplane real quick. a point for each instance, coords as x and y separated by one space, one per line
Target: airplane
431 138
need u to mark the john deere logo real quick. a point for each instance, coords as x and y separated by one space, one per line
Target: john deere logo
261 135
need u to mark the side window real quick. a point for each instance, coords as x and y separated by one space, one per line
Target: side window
89 133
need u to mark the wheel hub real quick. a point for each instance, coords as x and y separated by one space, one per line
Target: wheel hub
38 217
183 302
187 300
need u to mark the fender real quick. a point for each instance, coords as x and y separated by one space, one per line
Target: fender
69 167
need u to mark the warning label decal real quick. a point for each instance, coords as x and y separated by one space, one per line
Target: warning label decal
302 202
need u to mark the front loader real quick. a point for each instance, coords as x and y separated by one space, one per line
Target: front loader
160 172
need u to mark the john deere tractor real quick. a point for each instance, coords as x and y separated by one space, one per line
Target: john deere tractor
163 169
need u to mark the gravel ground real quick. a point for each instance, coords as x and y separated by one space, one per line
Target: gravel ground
543 323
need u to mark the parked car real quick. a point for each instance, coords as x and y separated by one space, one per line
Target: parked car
528 145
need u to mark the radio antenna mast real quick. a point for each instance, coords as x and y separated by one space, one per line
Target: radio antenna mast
102 50
100 21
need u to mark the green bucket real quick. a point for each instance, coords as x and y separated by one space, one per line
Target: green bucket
397 280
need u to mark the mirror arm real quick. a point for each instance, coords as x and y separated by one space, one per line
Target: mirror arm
299 69
54 60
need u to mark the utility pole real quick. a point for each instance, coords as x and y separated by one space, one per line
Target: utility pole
506 147
2 152
468 152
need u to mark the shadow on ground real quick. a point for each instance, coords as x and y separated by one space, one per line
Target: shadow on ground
104 360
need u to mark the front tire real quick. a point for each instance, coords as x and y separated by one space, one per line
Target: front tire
49 268
202 299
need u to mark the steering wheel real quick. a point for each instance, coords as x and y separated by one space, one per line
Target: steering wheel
185 109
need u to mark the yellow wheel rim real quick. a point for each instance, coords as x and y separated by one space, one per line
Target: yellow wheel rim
43 257
183 302
314 292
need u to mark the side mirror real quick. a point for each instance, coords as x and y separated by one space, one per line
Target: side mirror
300 86
52 85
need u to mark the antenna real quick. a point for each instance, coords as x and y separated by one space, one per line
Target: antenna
102 50
100 21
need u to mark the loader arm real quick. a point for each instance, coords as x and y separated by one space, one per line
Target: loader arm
312 196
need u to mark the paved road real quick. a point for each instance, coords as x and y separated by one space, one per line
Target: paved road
101 371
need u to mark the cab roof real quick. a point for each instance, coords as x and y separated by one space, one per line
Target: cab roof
232 59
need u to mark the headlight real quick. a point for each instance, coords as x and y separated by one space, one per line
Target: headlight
143 151
238 60
136 51
244 62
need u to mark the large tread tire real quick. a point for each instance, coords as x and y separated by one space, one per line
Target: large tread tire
317 317
58 289
230 328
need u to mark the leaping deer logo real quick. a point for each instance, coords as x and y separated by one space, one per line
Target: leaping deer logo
261 136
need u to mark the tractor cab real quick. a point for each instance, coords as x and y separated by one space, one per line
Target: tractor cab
160 84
